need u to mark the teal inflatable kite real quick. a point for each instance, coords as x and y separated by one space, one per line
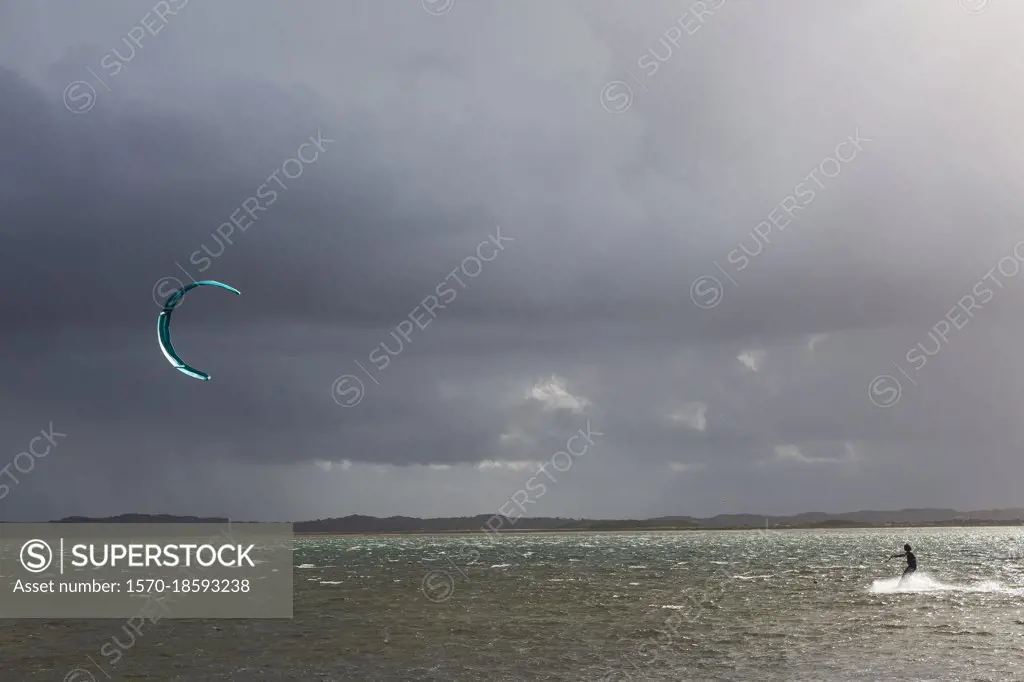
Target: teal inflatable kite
163 327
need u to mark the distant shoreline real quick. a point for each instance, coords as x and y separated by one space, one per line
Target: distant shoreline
662 529
485 524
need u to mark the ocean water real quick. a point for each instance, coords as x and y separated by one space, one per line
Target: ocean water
742 605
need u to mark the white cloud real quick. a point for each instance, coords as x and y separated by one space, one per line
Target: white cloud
683 467
513 435
509 465
692 416
789 452
752 359
553 395
814 340
521 466
794 454
328 465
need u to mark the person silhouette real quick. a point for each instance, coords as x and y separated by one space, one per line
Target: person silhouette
911 561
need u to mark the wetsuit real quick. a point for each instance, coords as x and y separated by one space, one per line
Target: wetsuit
911 563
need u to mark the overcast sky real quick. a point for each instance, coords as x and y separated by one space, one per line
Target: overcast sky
621 155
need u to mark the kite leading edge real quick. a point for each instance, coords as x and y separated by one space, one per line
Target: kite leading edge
163 327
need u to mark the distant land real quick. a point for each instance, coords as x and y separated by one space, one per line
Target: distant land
358 524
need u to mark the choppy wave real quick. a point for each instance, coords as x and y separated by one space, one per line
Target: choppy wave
923 582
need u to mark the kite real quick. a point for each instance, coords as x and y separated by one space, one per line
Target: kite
163 327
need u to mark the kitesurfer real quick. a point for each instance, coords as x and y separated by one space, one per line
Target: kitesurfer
911 561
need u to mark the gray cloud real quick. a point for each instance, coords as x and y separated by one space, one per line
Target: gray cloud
445 129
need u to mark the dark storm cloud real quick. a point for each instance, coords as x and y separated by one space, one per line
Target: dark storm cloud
443 131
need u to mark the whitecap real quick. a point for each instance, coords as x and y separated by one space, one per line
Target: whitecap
923 582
